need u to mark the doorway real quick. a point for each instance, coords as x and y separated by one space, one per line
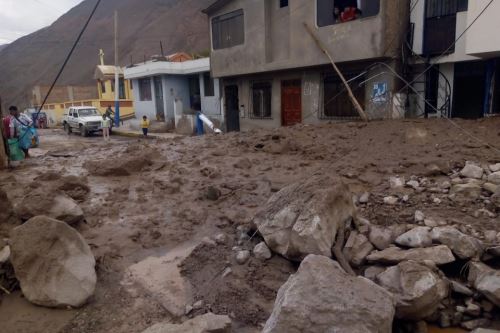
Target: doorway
468 89
291 102
160 108
232 108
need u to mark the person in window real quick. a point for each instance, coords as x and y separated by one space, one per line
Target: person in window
349 14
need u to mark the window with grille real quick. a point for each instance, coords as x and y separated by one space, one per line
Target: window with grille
208 83
336 101
261 100
228 30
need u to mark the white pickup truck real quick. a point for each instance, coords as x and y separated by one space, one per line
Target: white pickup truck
84 119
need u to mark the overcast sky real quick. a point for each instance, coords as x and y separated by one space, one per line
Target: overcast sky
22 17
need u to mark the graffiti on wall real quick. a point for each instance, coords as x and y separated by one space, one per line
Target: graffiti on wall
380 93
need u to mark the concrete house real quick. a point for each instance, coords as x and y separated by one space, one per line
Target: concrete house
273 74
167 89
463 79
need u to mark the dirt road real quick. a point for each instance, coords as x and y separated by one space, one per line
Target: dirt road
153 209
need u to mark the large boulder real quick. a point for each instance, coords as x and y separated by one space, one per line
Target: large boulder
462 245
303 218
53 263
418 289
440 255
60 207
207 323
321 297
472 171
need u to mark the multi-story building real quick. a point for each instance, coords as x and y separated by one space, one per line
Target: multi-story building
457 44
273 73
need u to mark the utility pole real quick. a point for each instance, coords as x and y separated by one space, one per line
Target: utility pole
117 75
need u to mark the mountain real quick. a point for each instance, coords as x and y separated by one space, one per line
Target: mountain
36 58
3 46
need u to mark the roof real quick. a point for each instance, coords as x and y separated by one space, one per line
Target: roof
152 68
103 72
179 57
215 6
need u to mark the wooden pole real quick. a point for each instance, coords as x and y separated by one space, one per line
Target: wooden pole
354 101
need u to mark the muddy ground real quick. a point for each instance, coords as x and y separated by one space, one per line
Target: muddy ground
152 209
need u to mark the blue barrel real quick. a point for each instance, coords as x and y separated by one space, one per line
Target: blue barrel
199 125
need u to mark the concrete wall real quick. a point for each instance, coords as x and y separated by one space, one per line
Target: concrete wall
175 88
483 38
276 39
143 108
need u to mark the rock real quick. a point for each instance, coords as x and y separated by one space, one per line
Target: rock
459 288
495 167
242 257
476 323
490 235
372 271
189 309
440 255
321 298
212 193
198 305
381 237
396 182
446 185
494 178
472 171
7 213
419 216
303 218
413 184
484 330
418 289
243 163
487 306
4 254
445 319
227 272
473 310
207 323
221 238
430 223
463 246
490 187
469 191
391 200
53 263
357 248
364 198
262 252
488 284
416 237
60 207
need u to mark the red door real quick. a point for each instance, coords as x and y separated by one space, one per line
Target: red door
291 103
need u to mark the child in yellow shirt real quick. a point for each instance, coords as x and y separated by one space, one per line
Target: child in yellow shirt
145 126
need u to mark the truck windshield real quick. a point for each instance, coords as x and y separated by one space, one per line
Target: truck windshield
87 112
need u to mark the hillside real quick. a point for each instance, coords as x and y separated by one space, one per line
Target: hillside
36 58
3 46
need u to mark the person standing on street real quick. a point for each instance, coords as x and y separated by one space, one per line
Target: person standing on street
145 126
105 124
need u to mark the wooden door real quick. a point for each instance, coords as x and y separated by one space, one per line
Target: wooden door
291 102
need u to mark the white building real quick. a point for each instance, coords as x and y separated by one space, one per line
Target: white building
172 90
464 80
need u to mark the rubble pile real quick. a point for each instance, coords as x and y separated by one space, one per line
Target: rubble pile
428 270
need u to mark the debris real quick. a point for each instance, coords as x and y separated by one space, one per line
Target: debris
207 323
476 323
364 198
416 237
221 238
494 178
440 255
261 251
391 200
396 182
46 245
212 193
459 288
468 191
419 216
303 218
357 248
321 297
418 289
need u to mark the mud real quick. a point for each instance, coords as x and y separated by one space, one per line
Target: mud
143 199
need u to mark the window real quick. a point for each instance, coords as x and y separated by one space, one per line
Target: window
103 86
122 88
283 3
339 11
336 101
228 30
208 83
463 5
194 93
440 25
261 100
145 89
